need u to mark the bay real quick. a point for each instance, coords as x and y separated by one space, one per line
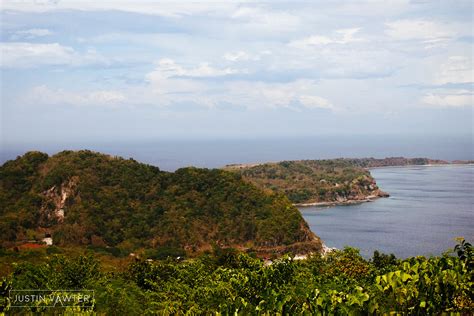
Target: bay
428 207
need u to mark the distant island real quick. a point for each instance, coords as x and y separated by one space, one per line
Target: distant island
325 182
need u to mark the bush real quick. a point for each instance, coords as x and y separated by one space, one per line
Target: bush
162 253
229 282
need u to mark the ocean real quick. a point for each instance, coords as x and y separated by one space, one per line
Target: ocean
170 155
428 207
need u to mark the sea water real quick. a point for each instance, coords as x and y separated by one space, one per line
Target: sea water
428 207
171 154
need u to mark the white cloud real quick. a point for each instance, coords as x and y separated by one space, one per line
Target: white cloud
458 69
368 60
45 95
311 41
164 83
266 19
30 55
171 83
163 8
432 34
237 56
343 36
31 33
313 102
168 68
454 98
258 95
367 8
242 56
347 35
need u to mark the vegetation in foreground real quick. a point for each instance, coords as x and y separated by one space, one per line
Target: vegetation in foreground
228 282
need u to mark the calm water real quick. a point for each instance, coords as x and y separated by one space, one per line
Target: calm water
428 207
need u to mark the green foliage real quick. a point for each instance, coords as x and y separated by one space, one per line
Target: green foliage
424 286
464 250
162 253
5 288
383 261
58 273
229 282
309 181
392 161
112 202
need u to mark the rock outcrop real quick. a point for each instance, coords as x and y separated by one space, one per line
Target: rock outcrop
55 198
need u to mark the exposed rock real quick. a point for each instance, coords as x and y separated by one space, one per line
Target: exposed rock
325 250
55 202
381 193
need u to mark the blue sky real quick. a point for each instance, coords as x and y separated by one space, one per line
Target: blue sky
125 70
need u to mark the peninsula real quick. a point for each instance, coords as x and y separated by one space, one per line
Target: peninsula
325 182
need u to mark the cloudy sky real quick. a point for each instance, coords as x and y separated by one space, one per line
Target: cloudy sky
125 70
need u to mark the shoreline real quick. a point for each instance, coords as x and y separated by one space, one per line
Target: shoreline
372 198
427 165
369 198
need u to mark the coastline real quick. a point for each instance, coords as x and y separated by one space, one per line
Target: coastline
426 165
369 198
372 198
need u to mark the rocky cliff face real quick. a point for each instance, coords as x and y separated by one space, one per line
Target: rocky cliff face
55 199
359 190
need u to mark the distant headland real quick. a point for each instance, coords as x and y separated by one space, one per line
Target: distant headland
326 182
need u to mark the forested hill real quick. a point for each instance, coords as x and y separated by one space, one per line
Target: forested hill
335 181
331 181
393 162
87 198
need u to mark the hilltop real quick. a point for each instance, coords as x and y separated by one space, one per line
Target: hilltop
83 198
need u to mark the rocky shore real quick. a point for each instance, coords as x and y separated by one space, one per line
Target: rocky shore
346 201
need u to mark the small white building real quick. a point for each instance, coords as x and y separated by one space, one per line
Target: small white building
48 241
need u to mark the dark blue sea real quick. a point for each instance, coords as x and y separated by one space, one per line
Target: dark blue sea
428 207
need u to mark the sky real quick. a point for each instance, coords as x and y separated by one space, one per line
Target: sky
128 70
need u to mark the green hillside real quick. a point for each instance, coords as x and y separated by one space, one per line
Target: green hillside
313 181
86 198
393 161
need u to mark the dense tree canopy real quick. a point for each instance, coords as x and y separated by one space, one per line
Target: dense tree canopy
227 282
310 181
85 198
